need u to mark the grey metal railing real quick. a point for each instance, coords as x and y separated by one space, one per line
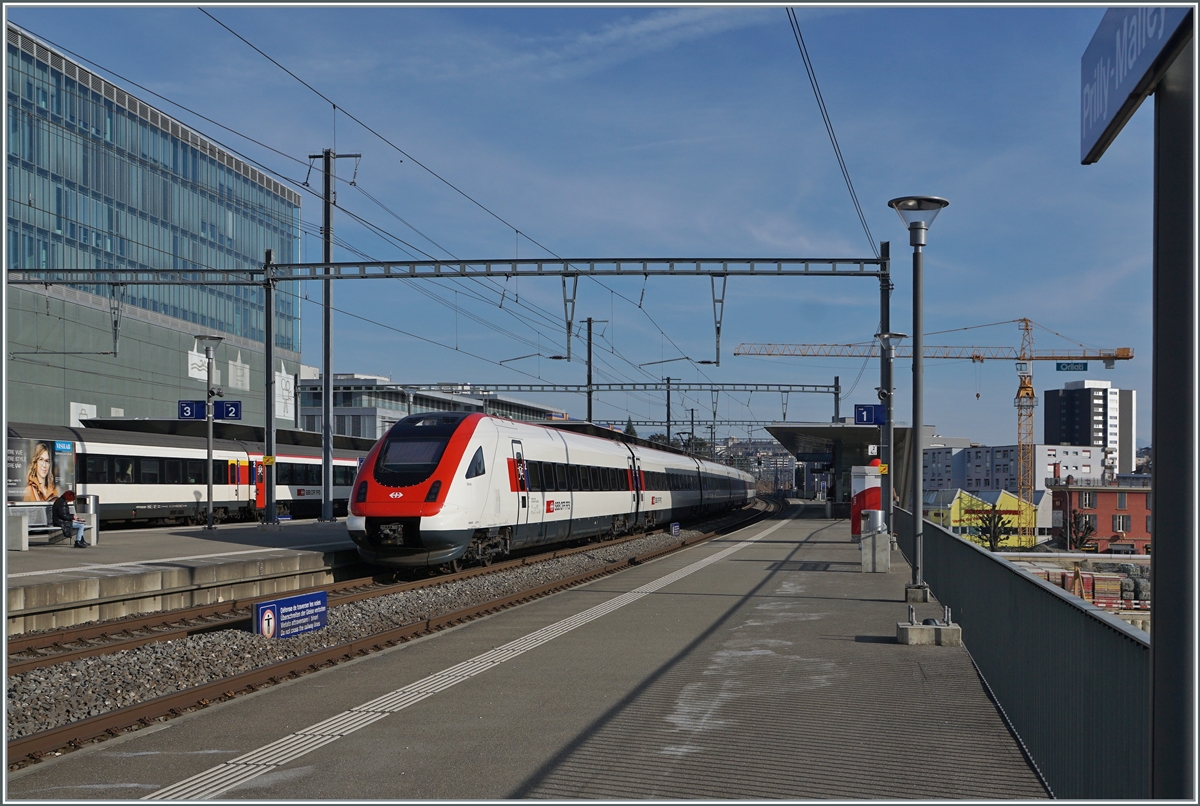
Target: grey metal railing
1073 680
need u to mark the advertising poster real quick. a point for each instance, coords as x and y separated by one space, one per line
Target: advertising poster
38 469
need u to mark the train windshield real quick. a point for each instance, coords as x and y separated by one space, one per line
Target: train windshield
405 461
413 447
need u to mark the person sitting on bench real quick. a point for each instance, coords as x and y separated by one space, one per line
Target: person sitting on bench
64 518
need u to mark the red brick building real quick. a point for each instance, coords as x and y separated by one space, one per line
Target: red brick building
1118 511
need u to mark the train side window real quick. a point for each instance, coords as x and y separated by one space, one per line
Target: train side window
573 476
195 471
476 467
220 471
99 469
560 475
123 469
533 475
585 477
312 474
150 471
343 476
283 473
173 471
547 476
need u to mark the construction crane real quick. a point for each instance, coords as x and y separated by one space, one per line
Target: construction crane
1025 400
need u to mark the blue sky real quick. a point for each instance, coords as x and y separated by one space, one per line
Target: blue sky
682 131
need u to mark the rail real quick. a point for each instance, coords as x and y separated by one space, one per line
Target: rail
1072 680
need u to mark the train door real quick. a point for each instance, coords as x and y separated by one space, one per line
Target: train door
260 484
635 486
527 523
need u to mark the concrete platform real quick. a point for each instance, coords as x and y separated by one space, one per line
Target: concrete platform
763 665
147 570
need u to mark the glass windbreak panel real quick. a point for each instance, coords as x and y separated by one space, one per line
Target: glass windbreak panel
404 461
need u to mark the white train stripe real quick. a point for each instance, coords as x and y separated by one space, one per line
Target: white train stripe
224 777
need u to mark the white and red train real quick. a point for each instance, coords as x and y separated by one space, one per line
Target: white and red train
150 478
447 488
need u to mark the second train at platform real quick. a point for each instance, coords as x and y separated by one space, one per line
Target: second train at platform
444 489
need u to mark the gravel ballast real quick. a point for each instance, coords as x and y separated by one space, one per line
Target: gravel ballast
48 697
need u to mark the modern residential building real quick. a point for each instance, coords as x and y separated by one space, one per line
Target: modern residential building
981 467
100 180
1094 414
368 405
1119 512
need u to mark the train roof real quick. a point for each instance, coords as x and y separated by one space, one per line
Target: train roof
226 436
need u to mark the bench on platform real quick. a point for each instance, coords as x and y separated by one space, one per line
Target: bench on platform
24 520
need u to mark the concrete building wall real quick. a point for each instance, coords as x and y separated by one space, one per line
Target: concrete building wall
54 338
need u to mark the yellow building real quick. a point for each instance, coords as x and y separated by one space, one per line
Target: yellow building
960 512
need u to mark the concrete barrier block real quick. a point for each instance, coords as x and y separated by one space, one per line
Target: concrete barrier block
126 584
61 592
928 634
16 534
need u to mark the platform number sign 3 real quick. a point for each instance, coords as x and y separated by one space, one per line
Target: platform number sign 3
191 410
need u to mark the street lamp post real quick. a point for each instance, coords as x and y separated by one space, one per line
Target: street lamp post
917 213
887 389
210 343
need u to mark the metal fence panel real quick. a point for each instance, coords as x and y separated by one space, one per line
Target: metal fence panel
1073 680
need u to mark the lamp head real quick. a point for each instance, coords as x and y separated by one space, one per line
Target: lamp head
211 340
917 213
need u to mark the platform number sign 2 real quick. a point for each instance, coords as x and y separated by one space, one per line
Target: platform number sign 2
227 410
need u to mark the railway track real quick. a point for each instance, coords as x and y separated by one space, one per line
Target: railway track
102 638
30 748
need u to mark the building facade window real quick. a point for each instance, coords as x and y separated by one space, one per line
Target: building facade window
1120 523
1122 500
107 183
1087 500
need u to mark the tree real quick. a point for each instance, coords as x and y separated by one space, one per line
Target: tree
630 431
659 438
1079 537
992 526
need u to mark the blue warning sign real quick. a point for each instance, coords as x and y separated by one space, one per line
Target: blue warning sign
284 618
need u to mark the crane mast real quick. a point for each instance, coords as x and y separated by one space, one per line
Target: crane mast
1025 401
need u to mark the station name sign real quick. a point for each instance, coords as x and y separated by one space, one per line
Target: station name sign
1127 56
284 618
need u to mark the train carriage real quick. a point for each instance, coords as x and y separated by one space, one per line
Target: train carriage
143 477
444 488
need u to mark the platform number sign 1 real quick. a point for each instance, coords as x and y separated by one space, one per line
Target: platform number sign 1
191 410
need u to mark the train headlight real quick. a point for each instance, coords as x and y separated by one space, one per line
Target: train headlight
360 494
434 489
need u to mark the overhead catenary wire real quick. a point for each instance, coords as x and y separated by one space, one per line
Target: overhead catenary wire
837 150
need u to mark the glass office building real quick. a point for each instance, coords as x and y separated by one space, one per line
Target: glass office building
97 179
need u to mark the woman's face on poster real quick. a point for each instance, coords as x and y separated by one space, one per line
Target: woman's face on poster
43 466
